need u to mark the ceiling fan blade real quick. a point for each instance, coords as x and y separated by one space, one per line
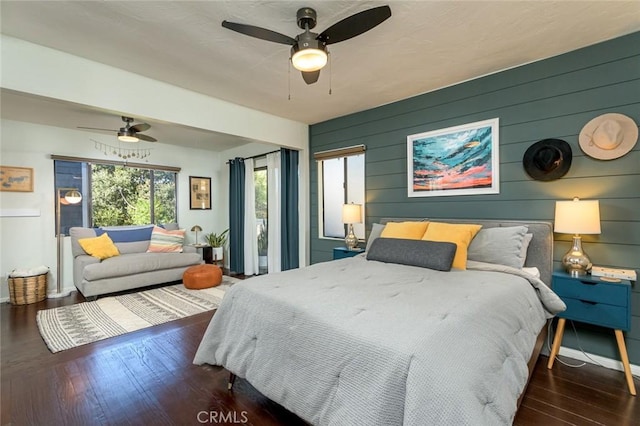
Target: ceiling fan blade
94 128
311 77
260 33
145 138
355 25
141 127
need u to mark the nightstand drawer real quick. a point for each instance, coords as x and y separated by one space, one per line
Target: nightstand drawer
591 290
601 314
343 252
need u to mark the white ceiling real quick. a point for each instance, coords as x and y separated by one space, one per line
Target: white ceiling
425 45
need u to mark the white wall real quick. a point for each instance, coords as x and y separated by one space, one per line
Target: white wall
30 241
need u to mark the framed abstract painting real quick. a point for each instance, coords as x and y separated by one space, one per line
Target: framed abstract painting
459 160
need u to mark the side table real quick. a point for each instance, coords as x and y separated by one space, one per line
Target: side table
594 301
207 252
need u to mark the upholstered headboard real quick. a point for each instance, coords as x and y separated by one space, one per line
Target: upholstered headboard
540 253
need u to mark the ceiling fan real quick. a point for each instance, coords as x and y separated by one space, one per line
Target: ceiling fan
129 133
309 49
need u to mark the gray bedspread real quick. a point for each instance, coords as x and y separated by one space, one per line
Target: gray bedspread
357 342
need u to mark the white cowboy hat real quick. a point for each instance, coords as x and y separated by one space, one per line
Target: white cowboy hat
608 136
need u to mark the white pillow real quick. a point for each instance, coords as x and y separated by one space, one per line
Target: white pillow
376 230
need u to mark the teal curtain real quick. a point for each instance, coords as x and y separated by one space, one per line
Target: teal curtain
290 241
236 215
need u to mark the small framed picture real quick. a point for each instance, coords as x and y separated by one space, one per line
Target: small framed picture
199 193
16 179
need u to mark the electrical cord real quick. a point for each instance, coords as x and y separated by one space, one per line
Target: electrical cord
550 329
558 355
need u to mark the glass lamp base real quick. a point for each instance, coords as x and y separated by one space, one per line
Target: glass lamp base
576 262
351 241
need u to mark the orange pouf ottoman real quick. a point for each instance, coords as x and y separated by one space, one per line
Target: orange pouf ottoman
202 276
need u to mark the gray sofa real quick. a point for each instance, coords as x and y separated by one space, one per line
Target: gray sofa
133 268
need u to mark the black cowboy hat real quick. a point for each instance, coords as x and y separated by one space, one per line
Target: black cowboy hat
548 159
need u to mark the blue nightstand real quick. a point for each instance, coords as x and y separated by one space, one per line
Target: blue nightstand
342 252
594 301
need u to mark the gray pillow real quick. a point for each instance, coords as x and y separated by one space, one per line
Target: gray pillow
376 230
502 246
525 247
425 254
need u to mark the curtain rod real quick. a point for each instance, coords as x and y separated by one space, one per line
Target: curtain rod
257 156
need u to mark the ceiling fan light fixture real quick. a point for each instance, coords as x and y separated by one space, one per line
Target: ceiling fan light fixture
126 137
310 59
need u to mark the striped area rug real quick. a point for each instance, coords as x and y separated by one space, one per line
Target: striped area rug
69 326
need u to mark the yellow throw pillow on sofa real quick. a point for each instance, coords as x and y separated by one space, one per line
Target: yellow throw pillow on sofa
101 247
459 233
405 230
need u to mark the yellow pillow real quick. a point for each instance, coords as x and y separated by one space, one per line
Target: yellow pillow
101 247
461 234
405 230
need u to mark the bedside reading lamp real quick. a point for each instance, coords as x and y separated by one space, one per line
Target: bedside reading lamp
351 213
577 217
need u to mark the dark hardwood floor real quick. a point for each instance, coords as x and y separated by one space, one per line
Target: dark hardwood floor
147 377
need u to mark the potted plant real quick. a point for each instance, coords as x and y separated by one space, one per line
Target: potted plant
217 243
262 247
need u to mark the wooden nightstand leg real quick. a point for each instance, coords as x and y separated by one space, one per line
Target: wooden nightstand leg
625 362
555 348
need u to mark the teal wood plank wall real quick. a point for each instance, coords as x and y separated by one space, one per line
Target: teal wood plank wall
553 98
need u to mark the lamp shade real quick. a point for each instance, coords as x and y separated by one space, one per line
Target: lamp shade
196 228
73 197
123 137
352 213
577 217
309 60
308 54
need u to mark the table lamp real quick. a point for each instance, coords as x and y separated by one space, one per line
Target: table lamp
351 213
577 217
197 229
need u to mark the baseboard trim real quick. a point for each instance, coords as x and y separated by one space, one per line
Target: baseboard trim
66 291
612 364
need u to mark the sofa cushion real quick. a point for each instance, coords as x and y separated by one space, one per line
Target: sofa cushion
163 241
136 263
127 234
77 232
101 247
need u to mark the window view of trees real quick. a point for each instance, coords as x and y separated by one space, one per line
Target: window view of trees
119 194
125 195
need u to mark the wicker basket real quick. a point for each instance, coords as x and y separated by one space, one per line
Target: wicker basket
25 290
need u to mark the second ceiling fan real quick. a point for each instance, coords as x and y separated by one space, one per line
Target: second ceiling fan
309 49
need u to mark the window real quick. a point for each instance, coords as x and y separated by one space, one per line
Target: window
116 194
340 181
262 222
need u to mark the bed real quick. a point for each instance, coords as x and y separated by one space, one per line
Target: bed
369 342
